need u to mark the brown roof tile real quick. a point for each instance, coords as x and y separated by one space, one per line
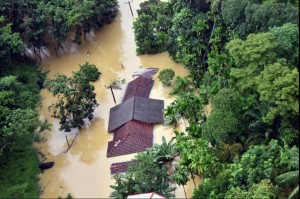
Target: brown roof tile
126 141
141 86
119 167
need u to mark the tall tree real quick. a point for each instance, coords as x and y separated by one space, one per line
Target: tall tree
244 17
76 99
287 37
144 175
224 121
10 42
279 85
250 57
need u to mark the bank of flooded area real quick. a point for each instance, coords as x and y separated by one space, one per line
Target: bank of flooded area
84 171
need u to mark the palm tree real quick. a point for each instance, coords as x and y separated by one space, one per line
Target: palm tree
258 130
182 85
180 176
291 178
227 152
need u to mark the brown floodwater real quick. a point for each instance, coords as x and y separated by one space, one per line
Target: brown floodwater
84 171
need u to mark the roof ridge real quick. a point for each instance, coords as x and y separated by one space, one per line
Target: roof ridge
140 140
137 85
133 108
118 143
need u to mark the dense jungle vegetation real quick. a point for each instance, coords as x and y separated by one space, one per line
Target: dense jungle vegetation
243 58
32 24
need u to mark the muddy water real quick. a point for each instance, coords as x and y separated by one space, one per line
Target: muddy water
84 170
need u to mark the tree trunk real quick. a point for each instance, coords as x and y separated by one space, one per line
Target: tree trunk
40 58
184 191
56 49
84 35
193 178
9 57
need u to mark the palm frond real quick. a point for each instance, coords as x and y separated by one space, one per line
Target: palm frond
288 178
295 193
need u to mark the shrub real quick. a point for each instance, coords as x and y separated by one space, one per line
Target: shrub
166 77
90 71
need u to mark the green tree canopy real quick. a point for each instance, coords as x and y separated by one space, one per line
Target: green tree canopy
262 190
38 20
10 42
244 17
250 57
144 175
76 99
224 121
151 27
287 37
166 76
279 85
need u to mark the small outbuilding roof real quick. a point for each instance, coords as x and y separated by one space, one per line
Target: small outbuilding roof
140 86
146 72
119 167
151 195
136 108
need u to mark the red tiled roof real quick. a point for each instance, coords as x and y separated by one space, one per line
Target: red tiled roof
132 137
135 136
135 126
119 167
141 86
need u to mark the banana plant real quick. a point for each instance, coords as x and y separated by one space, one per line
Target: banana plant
164 152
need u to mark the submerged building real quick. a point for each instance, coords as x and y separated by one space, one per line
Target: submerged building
133 120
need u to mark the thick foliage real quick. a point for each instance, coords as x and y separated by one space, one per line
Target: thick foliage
224 121
258 163
250 57
19 95
279 85
188 38
243 57
243 17
89 71
213 187
259 69
166 76
195 155
264 190
76 99
151 27
138 179
35 20
10 42
287 37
